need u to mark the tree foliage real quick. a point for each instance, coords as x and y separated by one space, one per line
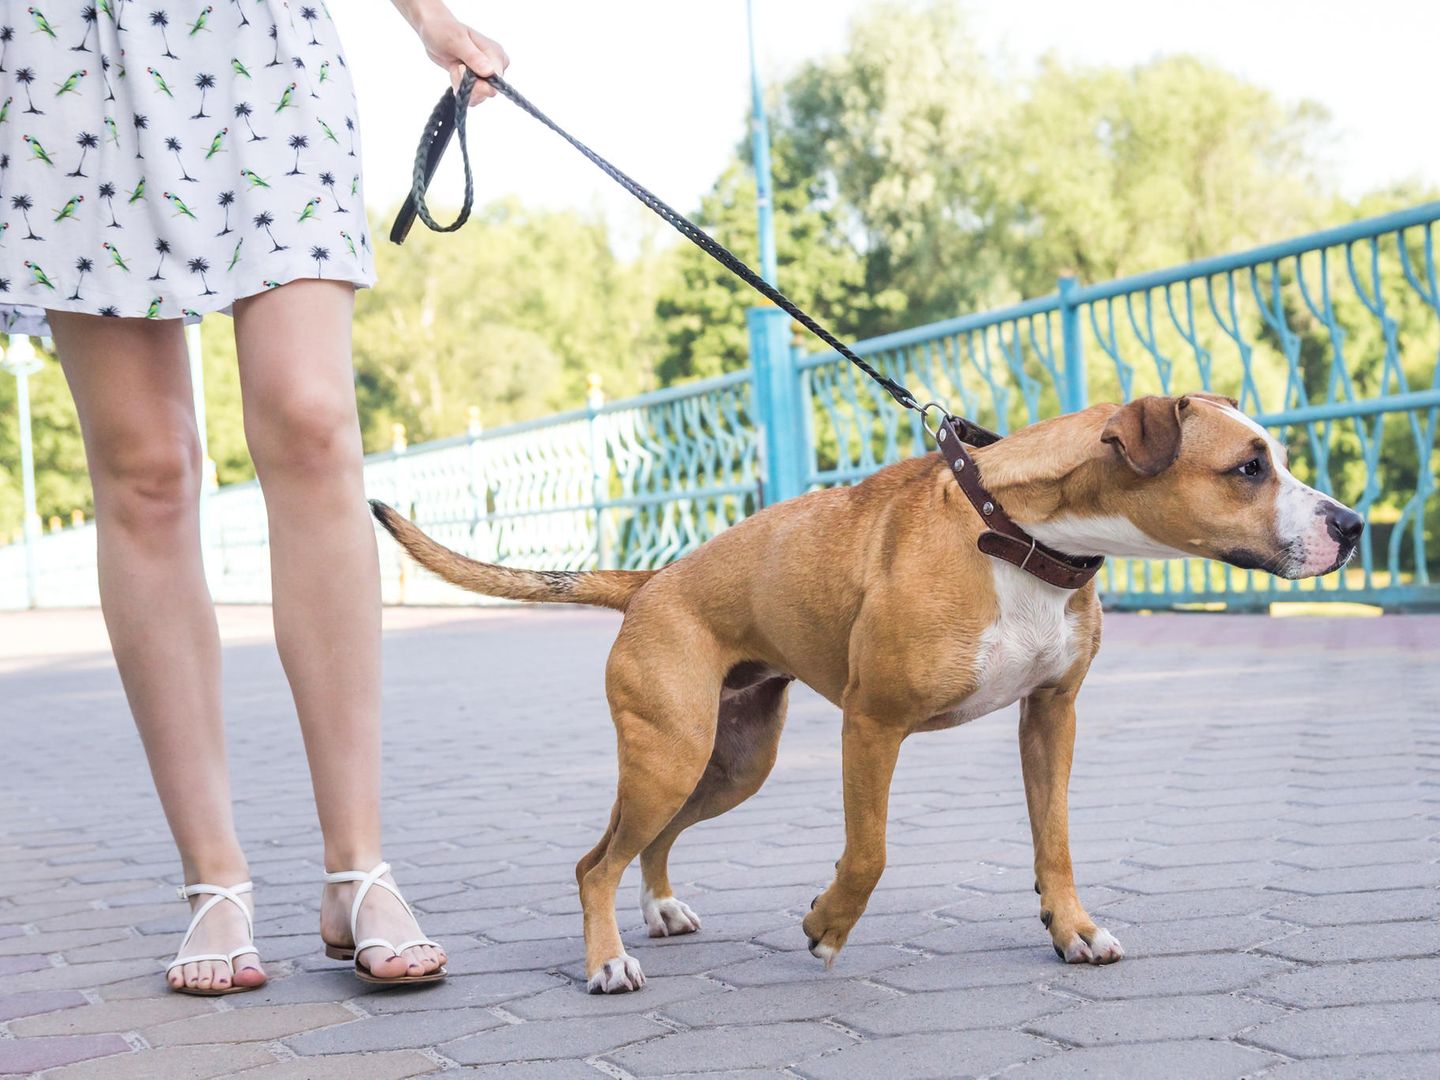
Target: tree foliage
916 177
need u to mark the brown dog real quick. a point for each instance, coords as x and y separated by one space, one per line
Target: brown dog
877 597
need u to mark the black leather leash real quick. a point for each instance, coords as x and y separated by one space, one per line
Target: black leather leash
1004 540
448 116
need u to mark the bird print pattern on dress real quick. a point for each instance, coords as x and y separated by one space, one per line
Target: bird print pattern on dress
161 159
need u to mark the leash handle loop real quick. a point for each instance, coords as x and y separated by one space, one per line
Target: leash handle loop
446 120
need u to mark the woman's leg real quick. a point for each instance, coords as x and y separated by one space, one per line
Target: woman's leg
298 387
131 385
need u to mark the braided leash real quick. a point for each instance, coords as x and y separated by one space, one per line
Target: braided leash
448 116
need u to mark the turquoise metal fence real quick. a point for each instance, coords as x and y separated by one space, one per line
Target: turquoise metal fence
1331 340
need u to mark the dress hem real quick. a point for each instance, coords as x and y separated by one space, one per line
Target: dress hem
27 317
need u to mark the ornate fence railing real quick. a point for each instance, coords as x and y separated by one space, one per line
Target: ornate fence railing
1331 340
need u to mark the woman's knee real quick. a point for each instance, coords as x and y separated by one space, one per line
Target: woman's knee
304 432
148 476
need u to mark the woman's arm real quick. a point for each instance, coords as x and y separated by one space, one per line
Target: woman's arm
453 45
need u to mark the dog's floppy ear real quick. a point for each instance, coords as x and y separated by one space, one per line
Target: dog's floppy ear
1146 433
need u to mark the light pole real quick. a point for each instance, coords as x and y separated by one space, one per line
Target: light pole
760 151
21 361
772 361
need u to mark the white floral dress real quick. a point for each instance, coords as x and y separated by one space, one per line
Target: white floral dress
162 159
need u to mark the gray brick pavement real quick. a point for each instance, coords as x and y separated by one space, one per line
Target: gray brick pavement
1255 814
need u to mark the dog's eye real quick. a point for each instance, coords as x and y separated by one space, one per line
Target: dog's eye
1253 467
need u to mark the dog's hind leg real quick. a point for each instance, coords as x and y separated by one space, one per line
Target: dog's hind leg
747 739
666 730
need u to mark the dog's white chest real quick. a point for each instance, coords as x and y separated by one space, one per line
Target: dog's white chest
1030 644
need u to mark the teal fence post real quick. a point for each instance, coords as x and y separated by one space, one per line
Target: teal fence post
599 470
776 385
1074 395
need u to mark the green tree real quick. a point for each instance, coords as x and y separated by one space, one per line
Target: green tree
511 315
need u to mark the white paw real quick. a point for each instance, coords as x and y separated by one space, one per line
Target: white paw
1102 948
828 953
667 916
618 976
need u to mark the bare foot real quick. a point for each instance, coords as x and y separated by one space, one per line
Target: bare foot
221 930
382 915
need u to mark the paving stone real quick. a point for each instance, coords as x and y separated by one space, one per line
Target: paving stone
22 943
1163 975
745 1047
533 1070
1360 941
399 1030
1361 879
541 1039
857 961
1362 907
1224 934
661 995
773 1004
1354 984
13 1006
1398 1027
387 1065
77 976
1152 1020
33 1055
464 992
177 1062
1193 1060
1369 1067
954 1010
116 1016
261 1023
941 1056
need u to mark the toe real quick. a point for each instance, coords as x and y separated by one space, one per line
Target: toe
384 964
191 973
205 974
248 971
176 978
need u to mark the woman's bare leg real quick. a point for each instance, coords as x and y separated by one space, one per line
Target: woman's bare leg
131 385
298 387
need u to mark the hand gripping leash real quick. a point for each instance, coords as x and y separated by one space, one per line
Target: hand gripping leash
448 117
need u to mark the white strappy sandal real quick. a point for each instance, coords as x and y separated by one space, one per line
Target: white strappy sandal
352 952
217 894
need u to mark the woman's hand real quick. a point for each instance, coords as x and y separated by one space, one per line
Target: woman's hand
454 46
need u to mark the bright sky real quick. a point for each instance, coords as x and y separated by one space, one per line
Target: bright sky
661 86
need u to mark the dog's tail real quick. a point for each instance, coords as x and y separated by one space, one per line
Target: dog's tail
603 588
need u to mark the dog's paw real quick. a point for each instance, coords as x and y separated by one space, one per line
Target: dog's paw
824 938
667 916
1099 947
618 976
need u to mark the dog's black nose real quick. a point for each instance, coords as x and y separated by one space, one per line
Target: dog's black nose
1344 525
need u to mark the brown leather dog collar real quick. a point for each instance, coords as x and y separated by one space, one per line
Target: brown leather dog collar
1004 539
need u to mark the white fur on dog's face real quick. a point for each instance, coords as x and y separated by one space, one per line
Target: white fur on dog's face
1299 512
1201 506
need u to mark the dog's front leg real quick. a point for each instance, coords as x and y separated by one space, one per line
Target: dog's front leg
1047 743
869 750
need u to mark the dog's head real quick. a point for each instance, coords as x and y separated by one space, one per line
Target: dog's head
1193 476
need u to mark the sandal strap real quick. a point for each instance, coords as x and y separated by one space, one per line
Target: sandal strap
368 880
224 958
218 894
370 943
